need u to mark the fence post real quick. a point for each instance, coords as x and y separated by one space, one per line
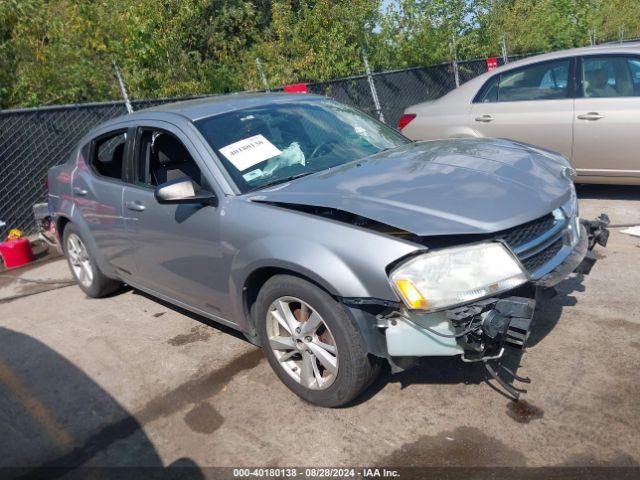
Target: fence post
262 75
123 90
454 59
503 47
372 87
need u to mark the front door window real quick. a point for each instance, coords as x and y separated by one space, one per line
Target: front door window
163 158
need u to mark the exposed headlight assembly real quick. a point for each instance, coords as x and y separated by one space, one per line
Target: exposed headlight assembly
452 276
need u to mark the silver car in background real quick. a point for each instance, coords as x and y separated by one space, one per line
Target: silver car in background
583 103
323 235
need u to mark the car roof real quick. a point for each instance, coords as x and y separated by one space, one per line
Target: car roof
606 48
216 104
470 88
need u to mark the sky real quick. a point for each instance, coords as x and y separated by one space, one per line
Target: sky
385 4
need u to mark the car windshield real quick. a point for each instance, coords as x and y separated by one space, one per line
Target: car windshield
271 144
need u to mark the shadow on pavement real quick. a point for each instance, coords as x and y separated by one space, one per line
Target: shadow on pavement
609 192
198 318
54 418
451 370
549 312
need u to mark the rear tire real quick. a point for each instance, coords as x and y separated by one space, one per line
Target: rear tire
83 267
318 352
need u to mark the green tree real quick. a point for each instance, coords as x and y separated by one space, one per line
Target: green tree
313 40
59 51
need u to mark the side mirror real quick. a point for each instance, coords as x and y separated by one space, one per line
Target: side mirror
182 190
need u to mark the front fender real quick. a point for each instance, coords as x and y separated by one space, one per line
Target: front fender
309 259
347 261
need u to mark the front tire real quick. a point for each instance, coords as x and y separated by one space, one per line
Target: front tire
311 343
83 267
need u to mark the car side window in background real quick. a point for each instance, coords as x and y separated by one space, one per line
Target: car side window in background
489 92
163 158
541 81
610 76
108 155
634 67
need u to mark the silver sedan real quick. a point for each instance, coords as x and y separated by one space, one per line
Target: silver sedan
323 235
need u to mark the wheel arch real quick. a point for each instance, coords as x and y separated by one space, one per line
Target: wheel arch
61 222
259 276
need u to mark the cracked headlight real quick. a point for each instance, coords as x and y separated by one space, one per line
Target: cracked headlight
452 276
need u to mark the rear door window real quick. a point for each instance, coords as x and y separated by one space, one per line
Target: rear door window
634 67
610 76
108 155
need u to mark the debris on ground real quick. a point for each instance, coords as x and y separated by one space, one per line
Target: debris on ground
634 231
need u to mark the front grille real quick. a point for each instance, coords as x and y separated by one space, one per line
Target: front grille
526 241
534 262
522 234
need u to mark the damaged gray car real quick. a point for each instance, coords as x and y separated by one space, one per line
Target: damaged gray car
326 237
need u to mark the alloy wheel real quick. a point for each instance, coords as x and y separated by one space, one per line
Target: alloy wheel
302 343
79 260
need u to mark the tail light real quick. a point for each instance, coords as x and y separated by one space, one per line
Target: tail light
296 88
46 184
405 119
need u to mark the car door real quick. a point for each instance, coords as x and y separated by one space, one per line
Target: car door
531 104
607 116
176 247
97 186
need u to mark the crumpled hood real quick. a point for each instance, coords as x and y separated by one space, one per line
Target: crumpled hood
463 186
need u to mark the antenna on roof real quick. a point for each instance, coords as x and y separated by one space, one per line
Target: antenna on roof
123 89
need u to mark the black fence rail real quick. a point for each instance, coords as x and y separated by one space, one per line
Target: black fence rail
33 140
398 89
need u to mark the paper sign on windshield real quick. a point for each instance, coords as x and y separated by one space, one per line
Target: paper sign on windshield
250 151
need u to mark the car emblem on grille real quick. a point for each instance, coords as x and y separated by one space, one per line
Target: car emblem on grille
569 173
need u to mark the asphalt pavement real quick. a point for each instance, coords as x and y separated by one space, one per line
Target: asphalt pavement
130 380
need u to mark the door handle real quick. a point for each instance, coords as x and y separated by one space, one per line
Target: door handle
80 191
590 116
135 206
485 119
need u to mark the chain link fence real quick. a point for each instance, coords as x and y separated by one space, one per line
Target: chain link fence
33 140
398 89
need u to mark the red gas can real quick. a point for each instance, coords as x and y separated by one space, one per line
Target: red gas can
16 252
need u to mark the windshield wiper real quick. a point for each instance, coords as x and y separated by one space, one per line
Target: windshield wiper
281 180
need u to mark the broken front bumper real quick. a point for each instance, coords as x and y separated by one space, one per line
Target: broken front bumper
582 258
479 330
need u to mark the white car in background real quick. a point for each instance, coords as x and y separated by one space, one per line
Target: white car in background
583 103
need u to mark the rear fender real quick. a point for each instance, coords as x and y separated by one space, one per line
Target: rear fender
81 225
